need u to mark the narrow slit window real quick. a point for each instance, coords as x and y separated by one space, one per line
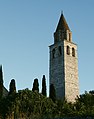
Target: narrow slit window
68 50
53 53
60 50
73 52
69 36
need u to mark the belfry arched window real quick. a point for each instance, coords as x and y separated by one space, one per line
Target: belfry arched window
68 50
73 52
53 53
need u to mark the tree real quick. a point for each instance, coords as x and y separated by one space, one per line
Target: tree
91 92
35 85
44 86
12 89
1 82
85 104
52 93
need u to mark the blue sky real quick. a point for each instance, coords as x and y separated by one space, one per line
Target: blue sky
26 31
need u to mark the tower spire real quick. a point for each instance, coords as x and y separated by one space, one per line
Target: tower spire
62 24
62 31
61 11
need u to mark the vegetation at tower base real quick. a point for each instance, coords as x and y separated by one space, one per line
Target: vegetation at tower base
52 93
1 82
44 86
35 85
26 104
12 89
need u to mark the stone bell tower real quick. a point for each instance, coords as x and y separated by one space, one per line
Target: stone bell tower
63 71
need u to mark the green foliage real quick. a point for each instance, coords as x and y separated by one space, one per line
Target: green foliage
1 82
44 86
85 104
27 104
12 89
35 85
52 93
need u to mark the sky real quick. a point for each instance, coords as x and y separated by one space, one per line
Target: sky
26 31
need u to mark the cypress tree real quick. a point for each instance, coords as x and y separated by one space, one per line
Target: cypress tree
1 81
52 93
35 85
12 89
44 85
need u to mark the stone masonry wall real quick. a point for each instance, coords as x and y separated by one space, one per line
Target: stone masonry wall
57 70
64 71
71 72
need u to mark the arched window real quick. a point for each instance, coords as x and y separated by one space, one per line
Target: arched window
53 53
68 50
73 52
60 50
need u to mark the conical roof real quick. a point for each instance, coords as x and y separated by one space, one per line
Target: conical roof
62 25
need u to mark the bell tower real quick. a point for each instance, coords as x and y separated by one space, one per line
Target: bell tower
63 67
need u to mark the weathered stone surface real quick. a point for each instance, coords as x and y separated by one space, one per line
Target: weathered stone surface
71 72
